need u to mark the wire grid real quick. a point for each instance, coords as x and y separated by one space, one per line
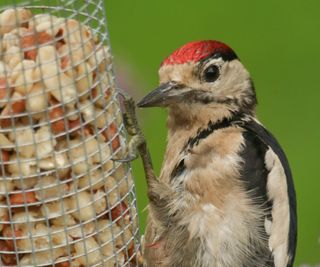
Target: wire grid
63 201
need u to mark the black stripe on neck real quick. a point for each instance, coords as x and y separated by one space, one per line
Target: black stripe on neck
177 170
235 119
211 127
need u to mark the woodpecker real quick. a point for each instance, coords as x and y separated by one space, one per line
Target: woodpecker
225 196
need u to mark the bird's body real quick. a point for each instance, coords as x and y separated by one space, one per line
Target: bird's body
225 196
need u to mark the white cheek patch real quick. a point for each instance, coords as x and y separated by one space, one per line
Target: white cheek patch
235 79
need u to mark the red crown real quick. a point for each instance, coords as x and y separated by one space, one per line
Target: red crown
196 51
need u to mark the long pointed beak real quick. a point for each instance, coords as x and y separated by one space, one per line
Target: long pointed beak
164 95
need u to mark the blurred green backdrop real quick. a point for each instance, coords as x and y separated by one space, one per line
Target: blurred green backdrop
278 41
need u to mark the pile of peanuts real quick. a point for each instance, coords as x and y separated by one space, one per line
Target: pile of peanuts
63 201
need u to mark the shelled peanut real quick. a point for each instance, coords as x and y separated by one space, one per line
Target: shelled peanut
62 198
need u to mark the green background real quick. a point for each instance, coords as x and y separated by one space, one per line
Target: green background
278 41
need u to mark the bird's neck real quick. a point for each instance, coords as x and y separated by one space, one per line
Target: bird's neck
191 118
184 125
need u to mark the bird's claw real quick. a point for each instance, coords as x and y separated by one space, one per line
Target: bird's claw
131 124
126 159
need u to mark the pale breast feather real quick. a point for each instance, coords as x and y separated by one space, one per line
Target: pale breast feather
267 179
270 184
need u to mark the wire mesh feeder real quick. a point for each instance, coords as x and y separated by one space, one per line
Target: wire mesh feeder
63 201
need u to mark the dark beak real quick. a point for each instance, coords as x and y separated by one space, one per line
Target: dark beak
164 95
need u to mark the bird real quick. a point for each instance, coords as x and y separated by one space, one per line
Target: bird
225 196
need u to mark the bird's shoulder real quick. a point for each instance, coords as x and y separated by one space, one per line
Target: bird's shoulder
265 159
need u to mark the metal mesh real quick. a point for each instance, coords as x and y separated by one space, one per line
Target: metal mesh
63 201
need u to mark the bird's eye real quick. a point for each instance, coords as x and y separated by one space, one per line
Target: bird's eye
211 73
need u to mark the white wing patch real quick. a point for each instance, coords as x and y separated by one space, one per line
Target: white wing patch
267 226
277 193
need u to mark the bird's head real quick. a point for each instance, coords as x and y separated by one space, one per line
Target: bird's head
203 74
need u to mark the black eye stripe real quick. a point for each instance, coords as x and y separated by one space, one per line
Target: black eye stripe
211 73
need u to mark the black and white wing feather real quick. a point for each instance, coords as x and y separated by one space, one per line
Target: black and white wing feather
273 182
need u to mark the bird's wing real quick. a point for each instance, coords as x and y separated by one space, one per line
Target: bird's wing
279 189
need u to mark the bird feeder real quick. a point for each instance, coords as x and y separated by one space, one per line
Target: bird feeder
64 201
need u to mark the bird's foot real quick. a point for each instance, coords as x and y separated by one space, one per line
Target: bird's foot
131 124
